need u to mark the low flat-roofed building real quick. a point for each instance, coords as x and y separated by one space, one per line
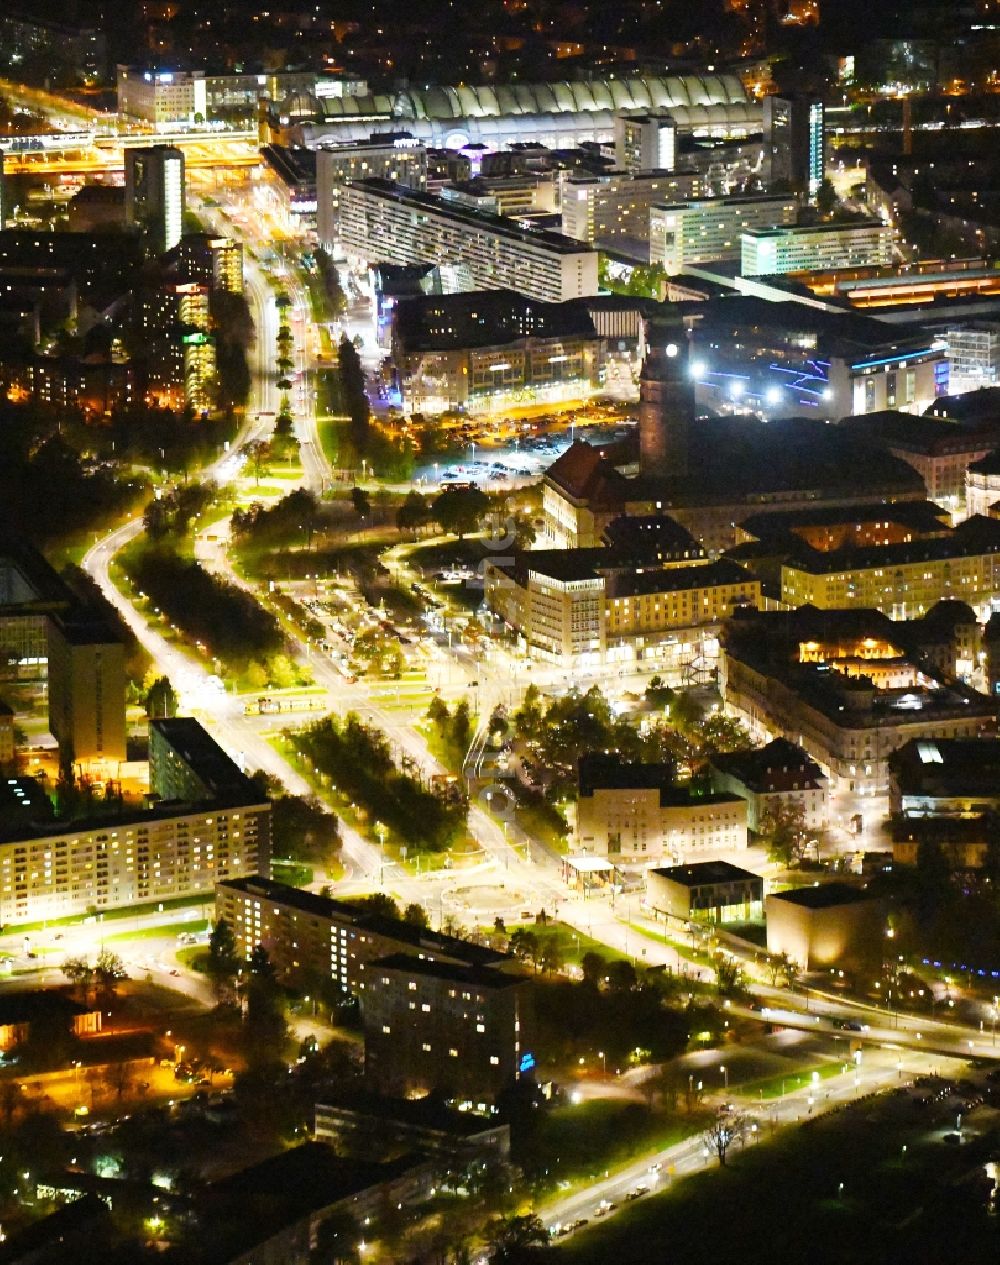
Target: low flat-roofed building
843 684
715 891
18 1011
777 776
270 1212
368 1124
309 936
831 924
807 247
635 814
438 1027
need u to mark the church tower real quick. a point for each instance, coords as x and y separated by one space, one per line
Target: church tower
666 402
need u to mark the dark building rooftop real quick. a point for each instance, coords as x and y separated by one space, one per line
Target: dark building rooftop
946 767
765 769
476 976
597 771
221 775
707 873
824 896
484 318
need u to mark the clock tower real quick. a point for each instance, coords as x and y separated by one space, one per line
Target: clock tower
666 402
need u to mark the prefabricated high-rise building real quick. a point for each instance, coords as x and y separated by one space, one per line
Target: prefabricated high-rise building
154 194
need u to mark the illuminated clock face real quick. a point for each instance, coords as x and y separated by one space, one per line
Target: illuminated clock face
671 350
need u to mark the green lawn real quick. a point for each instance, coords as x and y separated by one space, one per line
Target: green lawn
158 933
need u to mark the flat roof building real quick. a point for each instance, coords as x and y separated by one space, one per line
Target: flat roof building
713 891
808 247
702 230
829 925
308 936
380 221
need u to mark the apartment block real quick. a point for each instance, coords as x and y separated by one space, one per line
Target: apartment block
436 1027
396 157
86 690
162 96
310 937
615 209
382 222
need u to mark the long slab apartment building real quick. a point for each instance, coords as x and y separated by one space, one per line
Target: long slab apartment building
383 222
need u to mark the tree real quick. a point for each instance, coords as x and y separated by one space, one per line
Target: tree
264 1025
109 971
524 944
551 957
459 510
621 976
416 916
730 977
727 1128
337 1239
826 198
782 828
79 972
516 1240
379 903
223 961
156 520
413 513
594 968
782 970
302 830
161 698
361 502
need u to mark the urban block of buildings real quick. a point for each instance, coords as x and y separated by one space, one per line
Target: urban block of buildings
845 685
811 247
706 230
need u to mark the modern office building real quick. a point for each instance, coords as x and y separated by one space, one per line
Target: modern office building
973 356
383 222
393 156
646 142
946 778
491 350
310 937
703 230
772 778
154 194
635 815
795 142
614 210
87 691
846 687
829 925
463 1032
705 891
162 97
807 247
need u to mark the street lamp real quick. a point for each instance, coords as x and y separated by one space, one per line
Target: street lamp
725 1073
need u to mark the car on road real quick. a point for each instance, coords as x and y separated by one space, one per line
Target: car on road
637 1192
605 1207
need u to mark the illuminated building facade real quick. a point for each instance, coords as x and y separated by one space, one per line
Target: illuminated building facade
459 1031
383 222
795 142
646 142
396 157
828 925
615 209
635 815
154 194
310 937
844 686
808 247
491 350
162 97
701 230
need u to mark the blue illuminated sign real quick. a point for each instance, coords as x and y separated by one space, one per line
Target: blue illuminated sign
527 1063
